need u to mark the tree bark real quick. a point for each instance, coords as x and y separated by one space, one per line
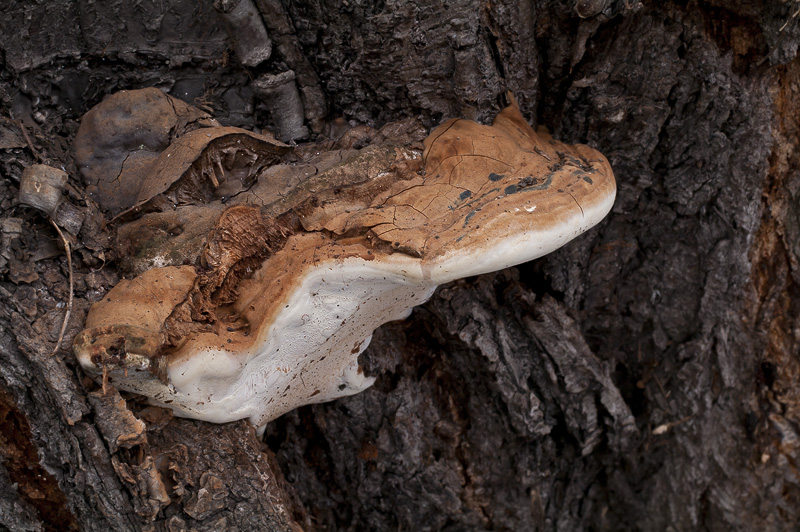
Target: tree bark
642 377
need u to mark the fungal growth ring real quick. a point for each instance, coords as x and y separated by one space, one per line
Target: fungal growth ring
293 276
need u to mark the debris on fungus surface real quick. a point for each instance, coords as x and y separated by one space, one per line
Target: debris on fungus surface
295 272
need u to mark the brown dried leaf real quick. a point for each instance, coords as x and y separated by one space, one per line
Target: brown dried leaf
121 136
208 164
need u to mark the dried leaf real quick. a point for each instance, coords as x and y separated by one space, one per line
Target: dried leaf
122 135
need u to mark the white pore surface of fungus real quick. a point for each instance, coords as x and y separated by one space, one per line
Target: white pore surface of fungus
309 353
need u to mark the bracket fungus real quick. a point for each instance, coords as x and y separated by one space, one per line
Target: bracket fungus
285 296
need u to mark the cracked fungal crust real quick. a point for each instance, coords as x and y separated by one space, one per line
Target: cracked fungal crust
481 186
280 306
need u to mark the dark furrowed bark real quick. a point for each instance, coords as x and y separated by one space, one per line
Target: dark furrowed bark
642 377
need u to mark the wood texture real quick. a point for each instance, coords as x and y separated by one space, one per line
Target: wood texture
644 377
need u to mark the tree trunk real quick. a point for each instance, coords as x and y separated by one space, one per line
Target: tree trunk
643 377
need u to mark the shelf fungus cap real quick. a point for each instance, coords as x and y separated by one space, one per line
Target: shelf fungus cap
279 308
508 194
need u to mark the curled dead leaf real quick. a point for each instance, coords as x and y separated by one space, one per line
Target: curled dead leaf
120 137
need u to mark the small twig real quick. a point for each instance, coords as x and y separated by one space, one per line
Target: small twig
28 140
105 377
663 429
69 303
789 20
